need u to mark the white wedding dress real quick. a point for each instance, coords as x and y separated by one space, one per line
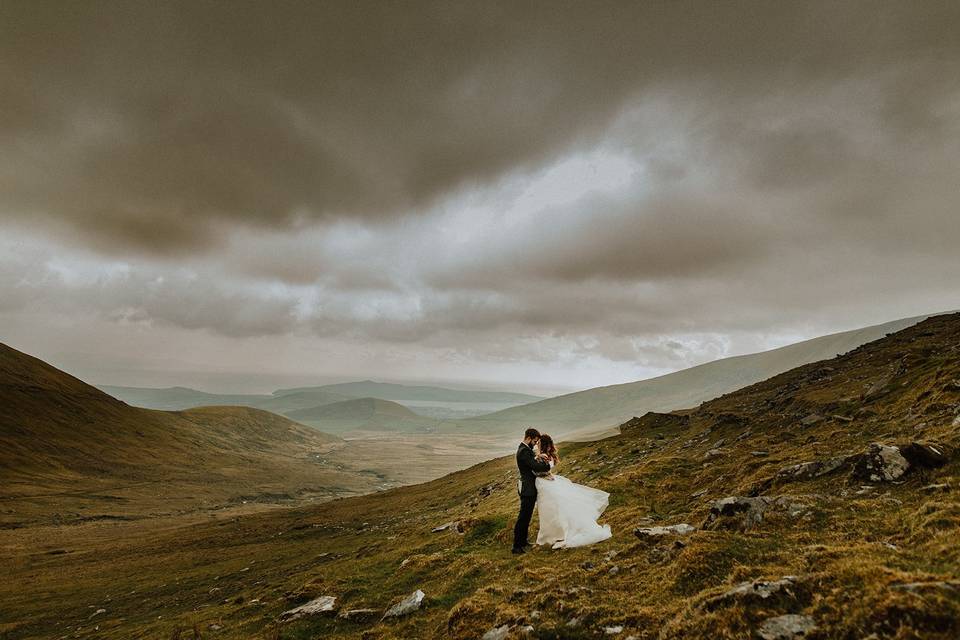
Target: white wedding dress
569 512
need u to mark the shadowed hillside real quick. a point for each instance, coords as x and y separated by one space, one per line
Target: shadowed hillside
60 437
597 410
822 503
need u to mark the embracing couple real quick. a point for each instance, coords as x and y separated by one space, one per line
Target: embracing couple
568 511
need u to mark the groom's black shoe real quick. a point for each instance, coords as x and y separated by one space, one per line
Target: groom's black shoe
518 550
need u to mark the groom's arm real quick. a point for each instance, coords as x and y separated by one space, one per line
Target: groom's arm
534 463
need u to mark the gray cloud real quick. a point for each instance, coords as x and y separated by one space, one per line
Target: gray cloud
145 126
629 187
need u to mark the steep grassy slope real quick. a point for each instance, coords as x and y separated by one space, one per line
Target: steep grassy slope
836 545
60 437
606 407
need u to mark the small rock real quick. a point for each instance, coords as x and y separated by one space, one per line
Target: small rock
934 488
497 633
755 591
760 454
358 614
97 612
813 418
214 627
321 605
787 627
747 511
614 570
526 629
455 525
951 586
655 533
713 453
406 606
573 622
814 469
534 615
699 494
613 630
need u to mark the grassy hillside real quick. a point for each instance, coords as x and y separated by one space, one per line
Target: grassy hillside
793 514
605 407
176 398
65 443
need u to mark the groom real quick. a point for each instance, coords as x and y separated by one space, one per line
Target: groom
529 466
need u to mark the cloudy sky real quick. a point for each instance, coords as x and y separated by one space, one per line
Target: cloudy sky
545 195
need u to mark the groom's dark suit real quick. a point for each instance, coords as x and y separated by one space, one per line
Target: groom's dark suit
529 466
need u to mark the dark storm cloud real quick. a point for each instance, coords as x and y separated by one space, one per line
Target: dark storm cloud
150 126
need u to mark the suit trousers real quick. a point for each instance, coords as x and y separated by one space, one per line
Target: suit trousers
527 503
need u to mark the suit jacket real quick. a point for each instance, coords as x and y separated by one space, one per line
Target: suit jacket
529 466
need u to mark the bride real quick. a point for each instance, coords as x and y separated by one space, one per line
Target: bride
568 511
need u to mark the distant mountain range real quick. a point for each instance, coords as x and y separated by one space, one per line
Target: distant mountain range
598 411
425 405
579 415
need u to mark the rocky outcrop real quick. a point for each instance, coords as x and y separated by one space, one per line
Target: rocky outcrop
741 511
814 469
406 606
755 592
657 533
745 512
787 627
497 633
324 605
880 463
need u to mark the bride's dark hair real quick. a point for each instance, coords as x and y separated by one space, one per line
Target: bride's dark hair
548 448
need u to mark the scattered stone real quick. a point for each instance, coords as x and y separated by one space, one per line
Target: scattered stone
613 630
527 629
406 606
610 555
96 613
699 494
760 454
456 525
713 453
214 627
934 488
755 591
787 627
881 463
614 570
573 622
837 416
359 614
656 533
534 615
814 469
743 436
813 418
748 511
317 606
497 633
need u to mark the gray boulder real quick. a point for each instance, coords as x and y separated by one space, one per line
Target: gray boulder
881 463
319 606
741 511
754 592
814 469
497 633
406 606
787 627
657 533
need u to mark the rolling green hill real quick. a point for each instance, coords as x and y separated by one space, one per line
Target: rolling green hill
597 409
402 392
175 398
